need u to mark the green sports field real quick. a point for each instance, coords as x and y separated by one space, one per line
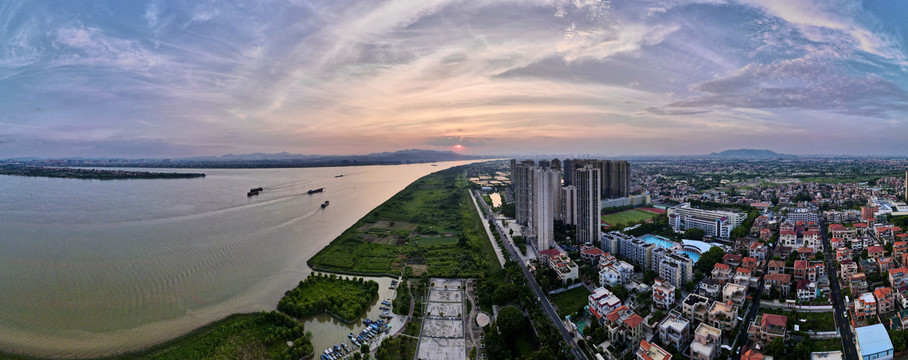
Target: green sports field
628 217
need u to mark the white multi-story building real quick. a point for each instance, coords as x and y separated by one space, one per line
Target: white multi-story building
803 214
602 302
663 294
546 186
675 269
587 180
714 222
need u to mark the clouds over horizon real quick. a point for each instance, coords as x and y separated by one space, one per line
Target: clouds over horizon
140 79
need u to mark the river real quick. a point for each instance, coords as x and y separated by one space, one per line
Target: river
90 267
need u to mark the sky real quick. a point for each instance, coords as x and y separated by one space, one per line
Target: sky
636 77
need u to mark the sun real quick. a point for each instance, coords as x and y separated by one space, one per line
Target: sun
458 147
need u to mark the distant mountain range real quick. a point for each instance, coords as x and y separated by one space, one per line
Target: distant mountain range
749 153
264 160
414 155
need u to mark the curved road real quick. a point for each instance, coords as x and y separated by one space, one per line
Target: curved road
546 305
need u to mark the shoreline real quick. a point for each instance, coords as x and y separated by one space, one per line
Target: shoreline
205 328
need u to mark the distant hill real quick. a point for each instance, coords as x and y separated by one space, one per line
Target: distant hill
412 155
265 160
749 153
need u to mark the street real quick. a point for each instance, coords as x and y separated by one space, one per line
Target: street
546 305
838 300
754 309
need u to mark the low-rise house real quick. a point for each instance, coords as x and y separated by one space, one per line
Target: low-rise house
710 288
745 276
898 277
885 264
865 306
734 293
858 283
899 248
768 327
674 331
602 302
778 282
723 315
876 252
776 267
623 325
848 268
873 342
885 301
811 239
707 340
807 291
648 351
722 273
759 250
663 294
805 253
733 260
800 270
695 308
564 267
899 321
591 254
751 263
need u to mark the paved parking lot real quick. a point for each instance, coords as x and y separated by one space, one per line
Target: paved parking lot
442 335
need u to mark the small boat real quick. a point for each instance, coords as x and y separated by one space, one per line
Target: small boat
386 302
313 191
325 204
338 176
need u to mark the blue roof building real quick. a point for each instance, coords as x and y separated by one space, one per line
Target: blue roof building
874 343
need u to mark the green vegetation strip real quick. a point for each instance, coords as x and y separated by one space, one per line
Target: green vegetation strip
346 299
261 335
432 222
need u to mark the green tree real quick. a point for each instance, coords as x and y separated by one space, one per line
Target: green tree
694 234
709 259
620 291
775 348
542 354
510 321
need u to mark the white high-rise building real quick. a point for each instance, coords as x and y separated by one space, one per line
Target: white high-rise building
543 210
523 186
569 205
586 179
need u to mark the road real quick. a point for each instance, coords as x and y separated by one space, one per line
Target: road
546 305
838 300
754 309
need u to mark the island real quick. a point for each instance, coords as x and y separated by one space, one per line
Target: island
89 174
345 299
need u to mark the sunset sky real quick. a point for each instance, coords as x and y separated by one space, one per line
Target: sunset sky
634 77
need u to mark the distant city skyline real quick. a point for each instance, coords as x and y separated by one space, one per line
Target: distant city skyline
626 77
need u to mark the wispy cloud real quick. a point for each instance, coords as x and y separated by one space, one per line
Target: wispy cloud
615 76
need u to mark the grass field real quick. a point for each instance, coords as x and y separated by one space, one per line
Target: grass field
813 321
628 217
342 297
827 345
431 223
239 336
569 301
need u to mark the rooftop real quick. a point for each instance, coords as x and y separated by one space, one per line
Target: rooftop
873 339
